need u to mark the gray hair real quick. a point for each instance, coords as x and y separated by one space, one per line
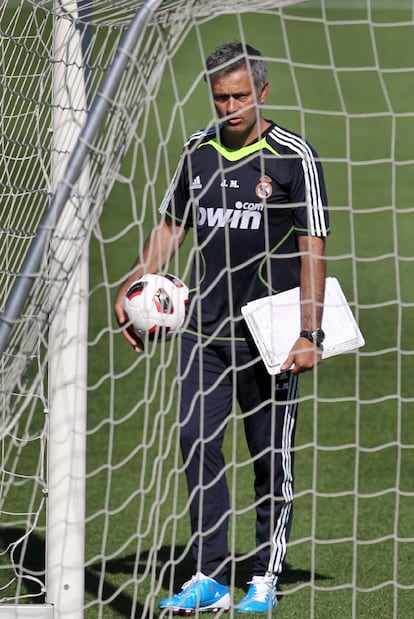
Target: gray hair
230 57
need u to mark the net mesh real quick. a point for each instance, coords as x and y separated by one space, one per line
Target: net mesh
351 541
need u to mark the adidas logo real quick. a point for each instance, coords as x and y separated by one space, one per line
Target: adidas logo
196 184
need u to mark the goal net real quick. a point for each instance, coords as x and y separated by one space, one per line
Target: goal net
342 76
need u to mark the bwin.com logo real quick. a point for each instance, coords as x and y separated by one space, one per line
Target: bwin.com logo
232 217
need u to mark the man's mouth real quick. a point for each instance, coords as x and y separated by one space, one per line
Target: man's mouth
235 120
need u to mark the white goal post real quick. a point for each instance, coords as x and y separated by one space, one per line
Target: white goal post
97 99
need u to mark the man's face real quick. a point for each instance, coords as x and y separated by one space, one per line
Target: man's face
236 99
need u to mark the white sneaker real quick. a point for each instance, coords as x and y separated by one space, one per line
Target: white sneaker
261 596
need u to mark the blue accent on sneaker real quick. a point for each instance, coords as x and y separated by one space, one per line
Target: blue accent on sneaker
200 593
261 596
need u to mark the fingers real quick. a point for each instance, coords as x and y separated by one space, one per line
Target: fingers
127 330
134 339
303 357
287 365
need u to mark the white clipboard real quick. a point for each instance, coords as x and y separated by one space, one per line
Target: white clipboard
275 323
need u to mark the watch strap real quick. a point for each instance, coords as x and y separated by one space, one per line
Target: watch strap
316 336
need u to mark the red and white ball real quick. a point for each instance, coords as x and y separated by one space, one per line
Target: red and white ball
156 301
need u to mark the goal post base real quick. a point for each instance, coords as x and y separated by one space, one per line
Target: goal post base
26 611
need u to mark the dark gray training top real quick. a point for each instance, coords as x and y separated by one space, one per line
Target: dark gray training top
247 207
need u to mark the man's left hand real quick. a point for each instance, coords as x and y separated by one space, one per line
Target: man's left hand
304 356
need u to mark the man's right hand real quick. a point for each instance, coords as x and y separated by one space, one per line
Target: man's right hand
123 320
158 249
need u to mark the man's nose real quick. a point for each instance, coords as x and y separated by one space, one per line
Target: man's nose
231 105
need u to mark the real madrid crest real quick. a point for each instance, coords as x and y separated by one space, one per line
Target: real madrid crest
264 188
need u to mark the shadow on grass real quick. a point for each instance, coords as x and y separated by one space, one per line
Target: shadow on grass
182 572
28 560
29 556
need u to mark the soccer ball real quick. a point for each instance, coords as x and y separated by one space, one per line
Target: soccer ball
156 301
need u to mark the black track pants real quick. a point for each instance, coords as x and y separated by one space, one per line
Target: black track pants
212 378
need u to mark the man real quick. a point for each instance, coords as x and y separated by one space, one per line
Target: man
253 194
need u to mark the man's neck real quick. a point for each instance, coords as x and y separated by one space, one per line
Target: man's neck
236 141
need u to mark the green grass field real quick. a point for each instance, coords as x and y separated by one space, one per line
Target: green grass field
352 540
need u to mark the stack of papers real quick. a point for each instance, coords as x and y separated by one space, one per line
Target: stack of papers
275 324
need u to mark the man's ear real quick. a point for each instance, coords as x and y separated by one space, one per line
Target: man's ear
264 92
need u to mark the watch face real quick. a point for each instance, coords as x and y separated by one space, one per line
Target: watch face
318 336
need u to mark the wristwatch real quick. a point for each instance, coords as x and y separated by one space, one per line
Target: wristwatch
317 336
